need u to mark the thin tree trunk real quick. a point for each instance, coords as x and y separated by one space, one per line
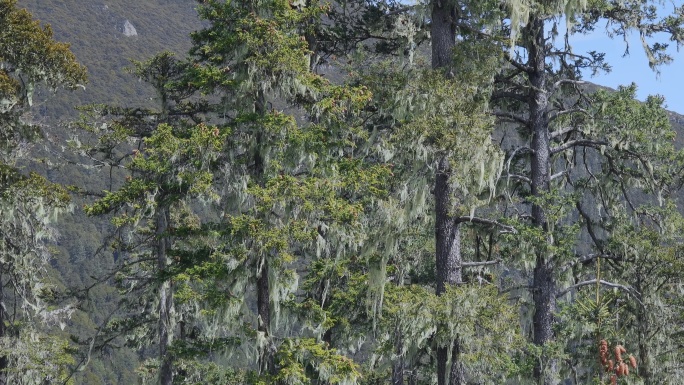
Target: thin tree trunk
266 358
448 264
166 368
643 325
398 364
447 230
457 375
4 362
544 283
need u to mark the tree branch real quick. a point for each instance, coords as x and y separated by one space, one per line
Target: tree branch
566 112
559 83
562 131
588 258
484 263
578 142
511 116
510 159
483 221
602 282
518 177
558 174
590 226
516 63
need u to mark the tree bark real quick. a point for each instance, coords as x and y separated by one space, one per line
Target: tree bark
165 301
443 33
643 325
398 364
544 283
448 264
447 230
266 359
457 375
4 362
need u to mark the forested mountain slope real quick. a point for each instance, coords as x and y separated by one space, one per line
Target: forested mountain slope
105 35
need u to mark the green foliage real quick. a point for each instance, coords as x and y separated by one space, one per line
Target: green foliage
36 358
301 360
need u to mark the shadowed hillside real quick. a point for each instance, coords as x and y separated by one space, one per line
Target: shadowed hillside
105 35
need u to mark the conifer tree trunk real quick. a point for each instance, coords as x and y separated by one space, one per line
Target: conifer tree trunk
3 329
443 33
266 359
447 229
398 365
643 326
166 322
544 283
165 301
448 265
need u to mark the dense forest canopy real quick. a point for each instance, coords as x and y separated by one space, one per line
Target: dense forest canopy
336 192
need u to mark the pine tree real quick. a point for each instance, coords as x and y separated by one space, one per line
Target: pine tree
167 154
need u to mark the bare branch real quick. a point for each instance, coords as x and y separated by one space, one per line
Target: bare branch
484 263
627 289
516 63
590 226
579 142
510 159
559 83
562 131
566 112
518 177
571 54
559 174
588 258
520 149
489 222
511 116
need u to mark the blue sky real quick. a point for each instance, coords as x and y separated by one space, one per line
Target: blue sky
634 67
